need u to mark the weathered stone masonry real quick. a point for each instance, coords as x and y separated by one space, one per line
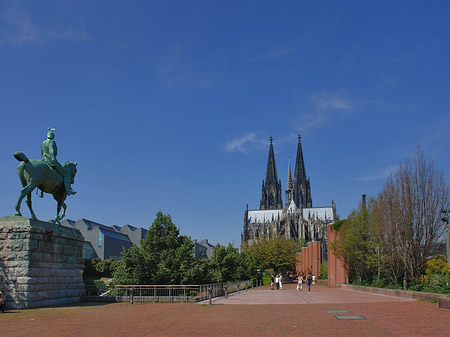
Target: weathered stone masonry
41 263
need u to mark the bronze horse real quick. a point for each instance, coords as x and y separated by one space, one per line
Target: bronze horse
35 173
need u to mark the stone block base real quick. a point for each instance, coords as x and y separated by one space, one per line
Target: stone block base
41 263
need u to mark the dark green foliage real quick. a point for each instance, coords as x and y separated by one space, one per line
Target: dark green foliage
227 264
323 270
277 253
337 225
105 267
357 247
166 257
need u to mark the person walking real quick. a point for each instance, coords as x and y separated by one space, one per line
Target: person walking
2 301
277 280
281 283
272 280
300 282
308 281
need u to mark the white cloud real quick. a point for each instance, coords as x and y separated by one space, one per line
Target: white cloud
174 71
243 143
333 102
378 174
325 106
21 29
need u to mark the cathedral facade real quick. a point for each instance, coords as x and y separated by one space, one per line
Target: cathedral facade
296 218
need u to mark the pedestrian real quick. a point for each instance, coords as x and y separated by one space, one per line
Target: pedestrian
2 301
277 280
300 282
308 281
281 283
272 280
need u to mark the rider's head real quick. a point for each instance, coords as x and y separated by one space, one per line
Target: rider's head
50 134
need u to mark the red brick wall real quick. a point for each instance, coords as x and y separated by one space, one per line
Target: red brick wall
308 261
336 270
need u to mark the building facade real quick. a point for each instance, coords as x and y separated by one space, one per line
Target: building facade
107 242
296 218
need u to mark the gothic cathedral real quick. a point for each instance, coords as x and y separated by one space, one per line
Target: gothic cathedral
296 218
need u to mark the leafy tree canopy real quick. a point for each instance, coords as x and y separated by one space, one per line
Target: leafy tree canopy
166 257
277 253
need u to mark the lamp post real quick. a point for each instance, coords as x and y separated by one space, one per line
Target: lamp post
445 214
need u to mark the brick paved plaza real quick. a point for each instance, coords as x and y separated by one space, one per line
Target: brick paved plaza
260 312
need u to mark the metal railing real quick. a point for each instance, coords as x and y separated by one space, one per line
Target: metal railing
163 293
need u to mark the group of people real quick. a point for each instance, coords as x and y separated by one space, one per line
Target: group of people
276 281
308 278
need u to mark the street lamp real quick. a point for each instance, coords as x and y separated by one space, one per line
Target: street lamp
445 214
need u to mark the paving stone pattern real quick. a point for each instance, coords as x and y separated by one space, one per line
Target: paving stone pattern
383 318
41 263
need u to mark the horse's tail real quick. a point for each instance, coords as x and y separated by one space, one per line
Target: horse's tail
20 156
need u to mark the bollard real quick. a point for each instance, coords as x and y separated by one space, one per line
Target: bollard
210 295
131 296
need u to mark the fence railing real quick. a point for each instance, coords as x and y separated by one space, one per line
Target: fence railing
163 293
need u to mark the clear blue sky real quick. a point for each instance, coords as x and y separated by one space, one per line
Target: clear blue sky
169 105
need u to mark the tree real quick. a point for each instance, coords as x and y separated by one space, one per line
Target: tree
408 215
357 246
104 267
277 253
165 257
227 264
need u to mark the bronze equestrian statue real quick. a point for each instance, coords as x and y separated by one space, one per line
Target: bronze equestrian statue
47 174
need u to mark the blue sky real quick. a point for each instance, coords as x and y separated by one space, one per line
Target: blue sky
169 105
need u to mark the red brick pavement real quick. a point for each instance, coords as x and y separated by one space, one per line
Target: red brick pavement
385 316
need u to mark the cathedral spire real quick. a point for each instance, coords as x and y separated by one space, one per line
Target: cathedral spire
271 172
302 192
289 193
271 191
289 179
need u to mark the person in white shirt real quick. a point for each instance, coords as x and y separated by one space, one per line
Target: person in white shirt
300 282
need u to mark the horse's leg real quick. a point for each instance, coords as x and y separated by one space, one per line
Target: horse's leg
64 206
58 210
27 189
33 216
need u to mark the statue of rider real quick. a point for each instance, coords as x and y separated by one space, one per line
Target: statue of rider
49 152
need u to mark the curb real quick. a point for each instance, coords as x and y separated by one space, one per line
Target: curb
442 300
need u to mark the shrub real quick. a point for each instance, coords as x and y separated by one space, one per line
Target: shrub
435 278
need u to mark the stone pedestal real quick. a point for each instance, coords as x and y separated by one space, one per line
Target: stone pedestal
41 263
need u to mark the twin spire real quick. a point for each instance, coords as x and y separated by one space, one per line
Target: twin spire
297 189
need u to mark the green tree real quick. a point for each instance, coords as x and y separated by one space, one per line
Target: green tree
357 246
104 267
277 253
227 264
165 256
